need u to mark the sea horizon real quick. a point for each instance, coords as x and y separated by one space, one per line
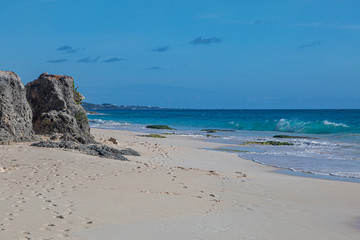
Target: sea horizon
155 107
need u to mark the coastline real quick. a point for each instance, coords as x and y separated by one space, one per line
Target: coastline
316 176
176 189
315 142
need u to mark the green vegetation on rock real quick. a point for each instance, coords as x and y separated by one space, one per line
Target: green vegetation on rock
153 136
211 136
209 130
160 127
287 136
80 117
216 130
78 97
273 143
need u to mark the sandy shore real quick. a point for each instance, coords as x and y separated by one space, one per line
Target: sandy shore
175 190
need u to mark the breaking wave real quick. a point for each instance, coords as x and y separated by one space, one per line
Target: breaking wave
317 127
99 123
296 126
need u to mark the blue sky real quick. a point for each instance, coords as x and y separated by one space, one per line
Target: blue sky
192 54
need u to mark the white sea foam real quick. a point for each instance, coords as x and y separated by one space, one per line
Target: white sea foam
326 122
99 123
285 125
346 174
95 114
319 157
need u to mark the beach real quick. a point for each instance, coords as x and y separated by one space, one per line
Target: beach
176 189
180 120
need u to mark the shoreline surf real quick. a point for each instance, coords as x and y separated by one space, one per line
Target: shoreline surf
319 154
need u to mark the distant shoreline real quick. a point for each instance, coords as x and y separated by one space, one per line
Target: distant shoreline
109 106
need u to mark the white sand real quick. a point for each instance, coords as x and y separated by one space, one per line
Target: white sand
175 190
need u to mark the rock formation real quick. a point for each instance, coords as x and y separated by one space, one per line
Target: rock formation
15 112
91 149
55 111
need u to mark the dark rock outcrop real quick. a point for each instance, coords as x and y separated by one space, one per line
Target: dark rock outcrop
47 106
15 112
55 111
129 152
160 127
91 149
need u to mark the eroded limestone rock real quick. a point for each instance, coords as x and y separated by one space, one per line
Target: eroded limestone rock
15 112
55 111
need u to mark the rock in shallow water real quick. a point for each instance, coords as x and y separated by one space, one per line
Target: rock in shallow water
15 112
55 111
91 149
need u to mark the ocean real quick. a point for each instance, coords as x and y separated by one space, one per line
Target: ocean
329 143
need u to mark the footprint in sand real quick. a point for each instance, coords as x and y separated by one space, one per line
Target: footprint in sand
45 229
25 238
62 235
59 216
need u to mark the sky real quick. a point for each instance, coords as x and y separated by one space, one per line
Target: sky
230 54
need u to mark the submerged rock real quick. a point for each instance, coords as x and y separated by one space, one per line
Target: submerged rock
273 143
55 110
160 127
217 130
91 149
15 112
153 136
287 136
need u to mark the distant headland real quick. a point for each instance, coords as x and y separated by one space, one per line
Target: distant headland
108 106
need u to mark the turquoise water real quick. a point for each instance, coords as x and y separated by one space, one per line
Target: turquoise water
333 147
